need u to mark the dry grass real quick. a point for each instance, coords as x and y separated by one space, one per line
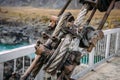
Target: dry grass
30 13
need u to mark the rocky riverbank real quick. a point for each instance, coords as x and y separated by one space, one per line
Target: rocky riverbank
14 32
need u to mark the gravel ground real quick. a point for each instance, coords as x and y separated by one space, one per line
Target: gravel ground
107 71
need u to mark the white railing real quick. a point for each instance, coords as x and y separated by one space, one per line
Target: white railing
13 56
105 49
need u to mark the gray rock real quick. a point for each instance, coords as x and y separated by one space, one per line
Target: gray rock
25 33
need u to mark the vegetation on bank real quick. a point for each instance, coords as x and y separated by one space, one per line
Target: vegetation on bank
30 14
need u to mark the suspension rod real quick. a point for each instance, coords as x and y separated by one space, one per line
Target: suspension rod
64 8
106 15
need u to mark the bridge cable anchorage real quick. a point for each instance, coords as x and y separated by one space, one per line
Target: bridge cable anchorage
64 47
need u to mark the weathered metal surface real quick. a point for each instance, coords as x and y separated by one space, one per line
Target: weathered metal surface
60 58
64 8
92 14
54 19
104 20
65 41
106 15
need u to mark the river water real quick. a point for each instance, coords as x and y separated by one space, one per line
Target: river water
4 47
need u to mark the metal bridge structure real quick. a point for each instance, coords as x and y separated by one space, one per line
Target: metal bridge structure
105 49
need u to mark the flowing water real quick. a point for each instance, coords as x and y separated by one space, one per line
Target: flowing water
4 47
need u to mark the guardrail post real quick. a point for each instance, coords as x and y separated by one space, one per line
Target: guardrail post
107 46
15 65
117 43
91 58
23 65
1 70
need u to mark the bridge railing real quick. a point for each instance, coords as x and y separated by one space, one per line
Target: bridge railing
19 59
9 60
106 48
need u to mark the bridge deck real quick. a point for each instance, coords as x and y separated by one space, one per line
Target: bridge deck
107 71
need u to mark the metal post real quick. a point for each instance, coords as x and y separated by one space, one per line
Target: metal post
14 65
91 16
23 65
64 8
1 70
30 60
117 43
107 46
91 58
106 15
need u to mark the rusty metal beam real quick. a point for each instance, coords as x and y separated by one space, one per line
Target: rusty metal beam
64 8
103 21
91 16
106 15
